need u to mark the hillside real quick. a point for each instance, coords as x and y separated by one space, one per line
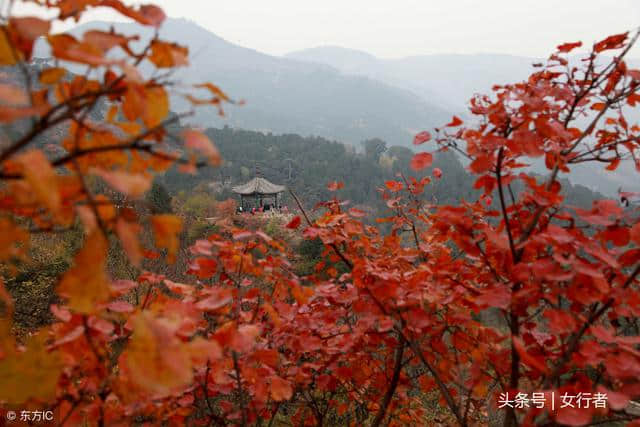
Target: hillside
307 164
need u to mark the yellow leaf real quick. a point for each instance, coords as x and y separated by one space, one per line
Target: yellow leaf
128 234
66 47
106 209
25 31
41 178
52 75
131 128
86 284
166 229
157 106
273 314
111 114
198 141
215 90
14 241
133 104
167 55
134 185
106 41
32 374
11 114
156 360
7 56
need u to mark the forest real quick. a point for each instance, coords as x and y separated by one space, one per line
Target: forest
307 164
444 284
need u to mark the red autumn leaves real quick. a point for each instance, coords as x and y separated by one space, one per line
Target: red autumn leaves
421 161
424 160
386 317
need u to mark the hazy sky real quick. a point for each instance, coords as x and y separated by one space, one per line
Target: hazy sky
409 27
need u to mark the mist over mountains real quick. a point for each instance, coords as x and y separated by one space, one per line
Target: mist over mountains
285 95
343 94
449 80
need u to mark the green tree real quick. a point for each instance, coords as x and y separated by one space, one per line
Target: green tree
158 199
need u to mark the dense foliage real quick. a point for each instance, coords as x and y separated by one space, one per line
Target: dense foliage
425 322
305 164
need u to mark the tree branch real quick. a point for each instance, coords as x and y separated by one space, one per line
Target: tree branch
392 385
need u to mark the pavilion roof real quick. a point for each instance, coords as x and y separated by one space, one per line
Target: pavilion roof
258 186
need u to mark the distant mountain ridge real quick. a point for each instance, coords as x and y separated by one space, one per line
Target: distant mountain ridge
448 79
284 95
344 94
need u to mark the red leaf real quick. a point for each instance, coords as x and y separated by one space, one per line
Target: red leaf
335 185
421 161
244 338
61 313
280 389
527 358
242 235
121 287
613 165
394 185
385 324
574 416
481 164
568 47
219 299
635 233
204 268
294 223
120 307
454 122
179 288
560 321
100 325
498 296
611 42
486 181
617 401
618 235
421 138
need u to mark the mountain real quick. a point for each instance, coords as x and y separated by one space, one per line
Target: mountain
343 94
445 79
285 95
451 80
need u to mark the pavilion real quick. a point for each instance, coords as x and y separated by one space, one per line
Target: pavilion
260 189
